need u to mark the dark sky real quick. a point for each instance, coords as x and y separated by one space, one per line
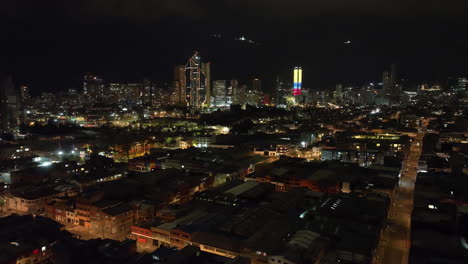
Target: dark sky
50 44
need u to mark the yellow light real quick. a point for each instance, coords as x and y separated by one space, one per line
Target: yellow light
378 144
299 79
296 75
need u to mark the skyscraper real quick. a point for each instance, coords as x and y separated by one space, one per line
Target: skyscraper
297 81
460 87
9 105
235 92
257 85
386 82
197 82
147 93
206 69
283 90
180 86
219 93
93 88
25 96
390 81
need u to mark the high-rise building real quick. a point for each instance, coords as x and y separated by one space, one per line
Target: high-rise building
283 90
147 93
133 92
179 86
206 70
219 93
117 93
386 82
297 81
339 89
25 96
461 85
9 105
234 84
93 88
257 85
390 82
197 82
239 93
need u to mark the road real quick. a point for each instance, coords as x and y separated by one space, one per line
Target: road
395 241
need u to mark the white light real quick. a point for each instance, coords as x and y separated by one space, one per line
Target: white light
60 152
303 214
26 149
45 164
73 152
433 207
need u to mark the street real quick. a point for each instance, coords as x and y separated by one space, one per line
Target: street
395 241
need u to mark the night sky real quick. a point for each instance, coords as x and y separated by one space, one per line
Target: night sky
48 45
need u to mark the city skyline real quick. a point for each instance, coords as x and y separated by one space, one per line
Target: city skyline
128 51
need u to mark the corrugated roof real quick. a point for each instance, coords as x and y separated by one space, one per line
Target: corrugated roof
242 188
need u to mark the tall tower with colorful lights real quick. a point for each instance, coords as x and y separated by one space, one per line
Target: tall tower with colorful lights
297 81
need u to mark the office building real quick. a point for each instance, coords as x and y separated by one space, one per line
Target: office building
25 96
219 93
179 86
283 90
297 81
9 105
93 88
257 85
197 81
461 85
386 83
206 69
147 93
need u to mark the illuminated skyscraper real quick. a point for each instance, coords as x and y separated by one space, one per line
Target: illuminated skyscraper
297 81
93 88
257 85
180 86
206 70
219 93
197 82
